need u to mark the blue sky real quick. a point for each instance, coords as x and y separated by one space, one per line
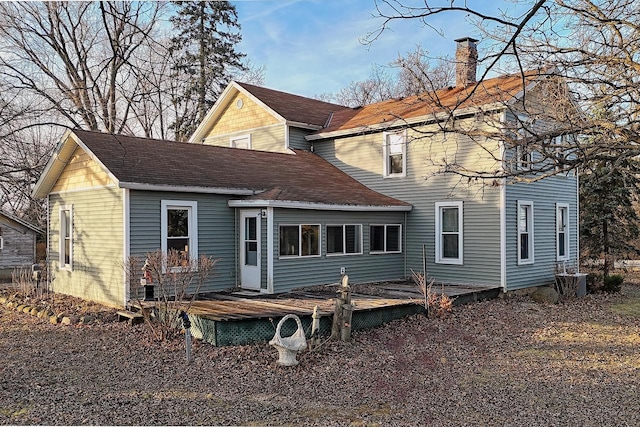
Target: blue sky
311 47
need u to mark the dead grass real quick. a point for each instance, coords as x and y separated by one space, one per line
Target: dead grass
494 363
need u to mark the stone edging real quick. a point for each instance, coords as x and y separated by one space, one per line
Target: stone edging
45 313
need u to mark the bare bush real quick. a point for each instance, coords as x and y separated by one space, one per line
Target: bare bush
436 304
176 280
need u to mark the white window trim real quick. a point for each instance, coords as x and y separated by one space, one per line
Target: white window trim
439 258
567 255
192 207
300 241
1 243
344 240
385 154
63 232
531 227
233 139
385 251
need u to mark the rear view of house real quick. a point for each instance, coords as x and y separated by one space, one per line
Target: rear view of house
288 191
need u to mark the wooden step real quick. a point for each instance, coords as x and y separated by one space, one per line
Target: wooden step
130 316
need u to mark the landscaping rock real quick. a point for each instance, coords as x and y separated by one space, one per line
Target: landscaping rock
87 319
34 311
20 307
53 319
545 295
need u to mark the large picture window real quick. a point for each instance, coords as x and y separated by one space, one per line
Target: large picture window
344 239
525 232
562 232
66 237
395 154
385 238
179 222
299 240
449 233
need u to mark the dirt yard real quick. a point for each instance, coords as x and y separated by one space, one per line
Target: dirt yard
506 362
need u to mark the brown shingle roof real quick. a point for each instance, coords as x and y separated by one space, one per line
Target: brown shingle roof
299 177
294 108
497 90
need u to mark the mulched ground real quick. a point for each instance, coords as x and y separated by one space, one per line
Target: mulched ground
496 363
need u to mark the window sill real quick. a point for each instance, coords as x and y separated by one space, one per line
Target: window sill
385 253
298 256
342 254
449 261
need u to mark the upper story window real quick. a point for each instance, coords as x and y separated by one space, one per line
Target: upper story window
523 130
300 240
385 238
395 154
241 141
449 233
179 222
344 239
562 231
525 232
66 237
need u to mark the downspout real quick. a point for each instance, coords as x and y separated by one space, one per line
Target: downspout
126 250
270 239
503 213
406 255
236 245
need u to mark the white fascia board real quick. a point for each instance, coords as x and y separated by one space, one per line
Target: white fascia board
181 189
425 119
58 160
221 101
314 206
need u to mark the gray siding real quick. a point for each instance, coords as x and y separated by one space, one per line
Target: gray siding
290 273
216 231
361 157
297 140
18 249
544 194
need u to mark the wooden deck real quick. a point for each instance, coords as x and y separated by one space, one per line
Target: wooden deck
254 305
233 318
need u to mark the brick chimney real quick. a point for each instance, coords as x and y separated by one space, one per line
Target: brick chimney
466 61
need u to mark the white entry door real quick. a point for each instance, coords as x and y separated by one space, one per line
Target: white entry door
250 249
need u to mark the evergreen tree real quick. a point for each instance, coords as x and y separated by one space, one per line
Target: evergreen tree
608 217
205 57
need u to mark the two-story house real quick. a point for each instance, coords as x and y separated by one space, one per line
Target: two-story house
289 191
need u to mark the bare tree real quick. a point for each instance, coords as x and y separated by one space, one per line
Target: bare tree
412 74
587 51
74 58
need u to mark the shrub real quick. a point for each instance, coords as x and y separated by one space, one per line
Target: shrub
612 283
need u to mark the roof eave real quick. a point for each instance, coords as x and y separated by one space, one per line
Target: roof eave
424 119
188 189
286 204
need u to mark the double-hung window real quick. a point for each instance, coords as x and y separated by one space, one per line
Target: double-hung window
449 233
525 232
300 240
385 238
395 154
524 135
344 239
179 222
66 238
562 232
